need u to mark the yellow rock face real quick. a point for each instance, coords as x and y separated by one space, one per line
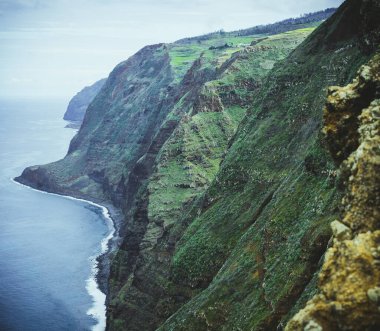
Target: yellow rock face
349 281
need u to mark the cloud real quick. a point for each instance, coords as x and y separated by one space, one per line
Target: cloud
10 5
18 80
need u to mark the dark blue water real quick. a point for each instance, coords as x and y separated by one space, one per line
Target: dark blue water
46 241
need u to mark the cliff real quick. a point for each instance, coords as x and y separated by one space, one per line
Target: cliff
348 295
216 157
246 259
141 104
78 104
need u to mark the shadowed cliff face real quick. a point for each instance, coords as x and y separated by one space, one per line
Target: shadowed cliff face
247 255
348 284
216 157
151 142
154 89
141 289
116 130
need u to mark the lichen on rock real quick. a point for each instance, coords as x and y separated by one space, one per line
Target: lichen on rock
349 294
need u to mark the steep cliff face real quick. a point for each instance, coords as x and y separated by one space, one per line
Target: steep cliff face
142 294
348 285
78 104
151 142
141 102
117 130
247 256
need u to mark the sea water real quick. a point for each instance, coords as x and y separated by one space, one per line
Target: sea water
47 242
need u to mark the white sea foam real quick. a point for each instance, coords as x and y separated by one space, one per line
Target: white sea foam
98 309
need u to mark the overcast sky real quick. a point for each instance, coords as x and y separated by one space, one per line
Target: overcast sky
55 47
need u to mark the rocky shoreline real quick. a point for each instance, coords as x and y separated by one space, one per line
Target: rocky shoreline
103 261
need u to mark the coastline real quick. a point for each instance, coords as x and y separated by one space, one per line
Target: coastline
97 283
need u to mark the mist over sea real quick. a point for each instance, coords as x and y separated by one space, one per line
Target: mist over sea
46 241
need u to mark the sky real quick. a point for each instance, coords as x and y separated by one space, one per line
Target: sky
53 48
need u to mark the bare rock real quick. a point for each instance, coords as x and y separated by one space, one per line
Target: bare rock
340 230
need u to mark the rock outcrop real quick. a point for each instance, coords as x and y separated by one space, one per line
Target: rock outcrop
349 282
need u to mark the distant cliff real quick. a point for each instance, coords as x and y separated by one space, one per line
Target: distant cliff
78 104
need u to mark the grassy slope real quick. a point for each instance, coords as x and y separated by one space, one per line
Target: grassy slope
185 166
191 157
264 221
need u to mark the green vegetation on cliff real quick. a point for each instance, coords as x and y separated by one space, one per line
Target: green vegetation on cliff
265 221
212 148
185 166
348 283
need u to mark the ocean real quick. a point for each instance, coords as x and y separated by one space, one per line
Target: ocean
48 243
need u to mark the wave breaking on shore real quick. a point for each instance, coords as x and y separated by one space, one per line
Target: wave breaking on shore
98 309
